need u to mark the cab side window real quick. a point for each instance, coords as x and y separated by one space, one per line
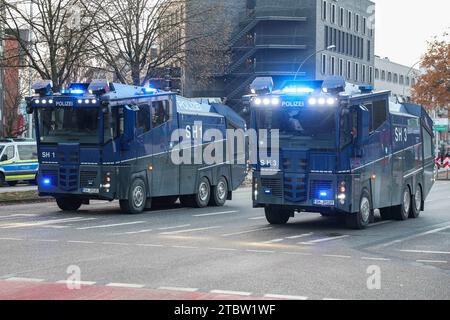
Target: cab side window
27 152
160 112
143 118
378 114
8 154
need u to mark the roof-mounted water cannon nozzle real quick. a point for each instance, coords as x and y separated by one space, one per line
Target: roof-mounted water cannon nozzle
262 85
43 88
99 87
334 85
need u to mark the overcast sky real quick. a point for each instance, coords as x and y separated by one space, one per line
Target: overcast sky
404 26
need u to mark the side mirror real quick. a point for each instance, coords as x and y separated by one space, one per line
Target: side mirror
363 129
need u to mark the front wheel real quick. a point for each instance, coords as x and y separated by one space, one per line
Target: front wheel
416 203
69 204
277 215
362 218
137 198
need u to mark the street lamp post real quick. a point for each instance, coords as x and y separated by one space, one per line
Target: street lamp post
407 75
312 55
30 69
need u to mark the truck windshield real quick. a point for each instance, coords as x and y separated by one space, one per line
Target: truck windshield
70 125
310 128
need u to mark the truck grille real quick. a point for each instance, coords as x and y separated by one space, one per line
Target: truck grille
68 178
320 186
88 178
272 184
295 188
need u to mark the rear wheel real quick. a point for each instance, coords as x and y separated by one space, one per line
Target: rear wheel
201 198
277 215
220 192
362 218
416 203
137 198
69 204
402 212
12 183
2 179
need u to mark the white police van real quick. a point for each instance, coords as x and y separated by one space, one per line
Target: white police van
18 161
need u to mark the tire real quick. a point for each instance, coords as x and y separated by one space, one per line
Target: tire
416 206
137 198
69 204
362 218
201 198
12 183
402 212
219 194
277 215
2 180
386 213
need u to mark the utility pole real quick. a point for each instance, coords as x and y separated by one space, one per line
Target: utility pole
30 69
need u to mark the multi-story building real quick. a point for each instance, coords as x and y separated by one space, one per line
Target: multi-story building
397 78
275 38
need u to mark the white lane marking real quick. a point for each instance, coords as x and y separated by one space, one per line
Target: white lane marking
213 214
284 297
12 239
125 285
432 261
232 293
274 241
81 283
324 240
413 237
331 299
189 230
175 227
337 256
43 240
259 251
18 279
257 218
223 249
298 253
301 236
245 232
178 289
425 251
79 241
375 259
44 223
184 247
133 232
111 225
150 245
116 243
20 215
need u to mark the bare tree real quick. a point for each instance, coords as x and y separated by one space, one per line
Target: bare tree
138 36
61 34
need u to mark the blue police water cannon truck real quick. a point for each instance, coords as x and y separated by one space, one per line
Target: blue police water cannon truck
112 141
343 150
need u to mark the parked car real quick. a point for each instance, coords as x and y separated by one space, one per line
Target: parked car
18 161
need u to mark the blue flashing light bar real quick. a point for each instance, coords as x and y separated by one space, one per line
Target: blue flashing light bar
77 91
149 90
298 90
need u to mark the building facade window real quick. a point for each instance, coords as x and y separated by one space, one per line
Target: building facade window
395 78
333 66
333 13
349 20
341 17
356 75
370 74
363 73
324 10
364 26
389 77
341 67
324 64
357 22
349 70
377 73
369 50
408 81
383 75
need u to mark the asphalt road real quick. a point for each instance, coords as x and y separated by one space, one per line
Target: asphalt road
219 253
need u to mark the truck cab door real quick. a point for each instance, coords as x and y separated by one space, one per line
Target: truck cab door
166 175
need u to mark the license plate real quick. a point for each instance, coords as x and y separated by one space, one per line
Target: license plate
324 203
90 190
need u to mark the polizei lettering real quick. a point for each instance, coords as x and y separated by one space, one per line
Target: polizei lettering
293 103
67 103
